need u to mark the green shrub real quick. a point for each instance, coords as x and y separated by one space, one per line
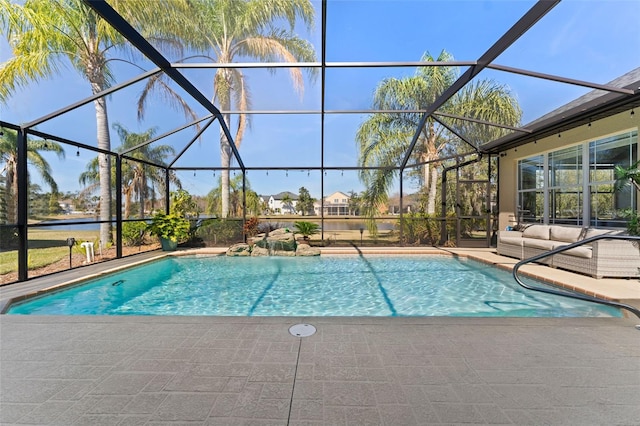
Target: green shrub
214 232
170 227
133 233
8 237
183 204
422 228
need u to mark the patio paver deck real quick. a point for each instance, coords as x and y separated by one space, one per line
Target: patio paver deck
394 371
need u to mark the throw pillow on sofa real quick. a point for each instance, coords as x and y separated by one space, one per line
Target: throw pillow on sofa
539 232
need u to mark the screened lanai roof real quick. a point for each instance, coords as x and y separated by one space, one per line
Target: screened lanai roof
592 106
548 53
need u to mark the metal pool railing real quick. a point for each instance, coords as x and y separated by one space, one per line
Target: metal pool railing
625 306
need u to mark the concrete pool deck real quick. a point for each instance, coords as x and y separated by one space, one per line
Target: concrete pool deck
398 371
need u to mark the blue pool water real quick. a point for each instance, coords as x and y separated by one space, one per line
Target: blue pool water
315 286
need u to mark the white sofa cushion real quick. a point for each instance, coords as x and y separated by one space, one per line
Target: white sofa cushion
512 241
509 234
582 251
594 232
565 234
540 232
539 244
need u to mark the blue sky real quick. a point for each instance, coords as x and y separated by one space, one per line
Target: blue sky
595 41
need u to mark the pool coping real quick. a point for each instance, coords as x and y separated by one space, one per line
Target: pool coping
613 289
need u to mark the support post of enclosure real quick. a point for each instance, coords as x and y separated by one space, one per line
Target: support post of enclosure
167 173
23 205
443 208
244 202
119 206
400 202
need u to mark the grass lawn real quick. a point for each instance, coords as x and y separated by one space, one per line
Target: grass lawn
49 246
348 237
45 247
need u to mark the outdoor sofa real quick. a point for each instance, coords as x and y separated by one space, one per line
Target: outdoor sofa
600 258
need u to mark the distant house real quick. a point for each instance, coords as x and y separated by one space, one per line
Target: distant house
336 204
66 206
277 204
409 204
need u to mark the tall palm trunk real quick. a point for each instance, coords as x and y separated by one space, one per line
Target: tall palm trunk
95 66
431 202
426 172
104 164
152 204
225 146
225 160
431 182
11 194
127 201
143 191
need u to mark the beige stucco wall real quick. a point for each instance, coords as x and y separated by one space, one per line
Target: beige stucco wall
508 177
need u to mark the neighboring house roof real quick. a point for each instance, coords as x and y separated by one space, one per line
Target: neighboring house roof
409 199
337 194
595 105
279 196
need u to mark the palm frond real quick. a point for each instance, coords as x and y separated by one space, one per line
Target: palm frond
159 86
19 71
259 12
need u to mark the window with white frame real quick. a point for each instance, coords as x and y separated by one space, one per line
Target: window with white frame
565 186
575 185
609 207
530 189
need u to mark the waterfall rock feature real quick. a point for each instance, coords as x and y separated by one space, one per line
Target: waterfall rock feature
307 250
240 249
259 251
281 242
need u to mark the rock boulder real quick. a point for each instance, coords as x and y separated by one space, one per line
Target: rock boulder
307 250
240 249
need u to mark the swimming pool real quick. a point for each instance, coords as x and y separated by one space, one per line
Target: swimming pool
314 286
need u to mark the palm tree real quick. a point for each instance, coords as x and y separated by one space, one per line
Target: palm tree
625 176
247 29
384 138
287 202
47 35
354 203
139 175
253 202
9 161
138 179
305 202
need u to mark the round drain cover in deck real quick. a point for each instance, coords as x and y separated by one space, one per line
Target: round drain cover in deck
302 330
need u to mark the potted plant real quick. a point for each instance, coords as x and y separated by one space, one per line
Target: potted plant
306 229
170 228
624 177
